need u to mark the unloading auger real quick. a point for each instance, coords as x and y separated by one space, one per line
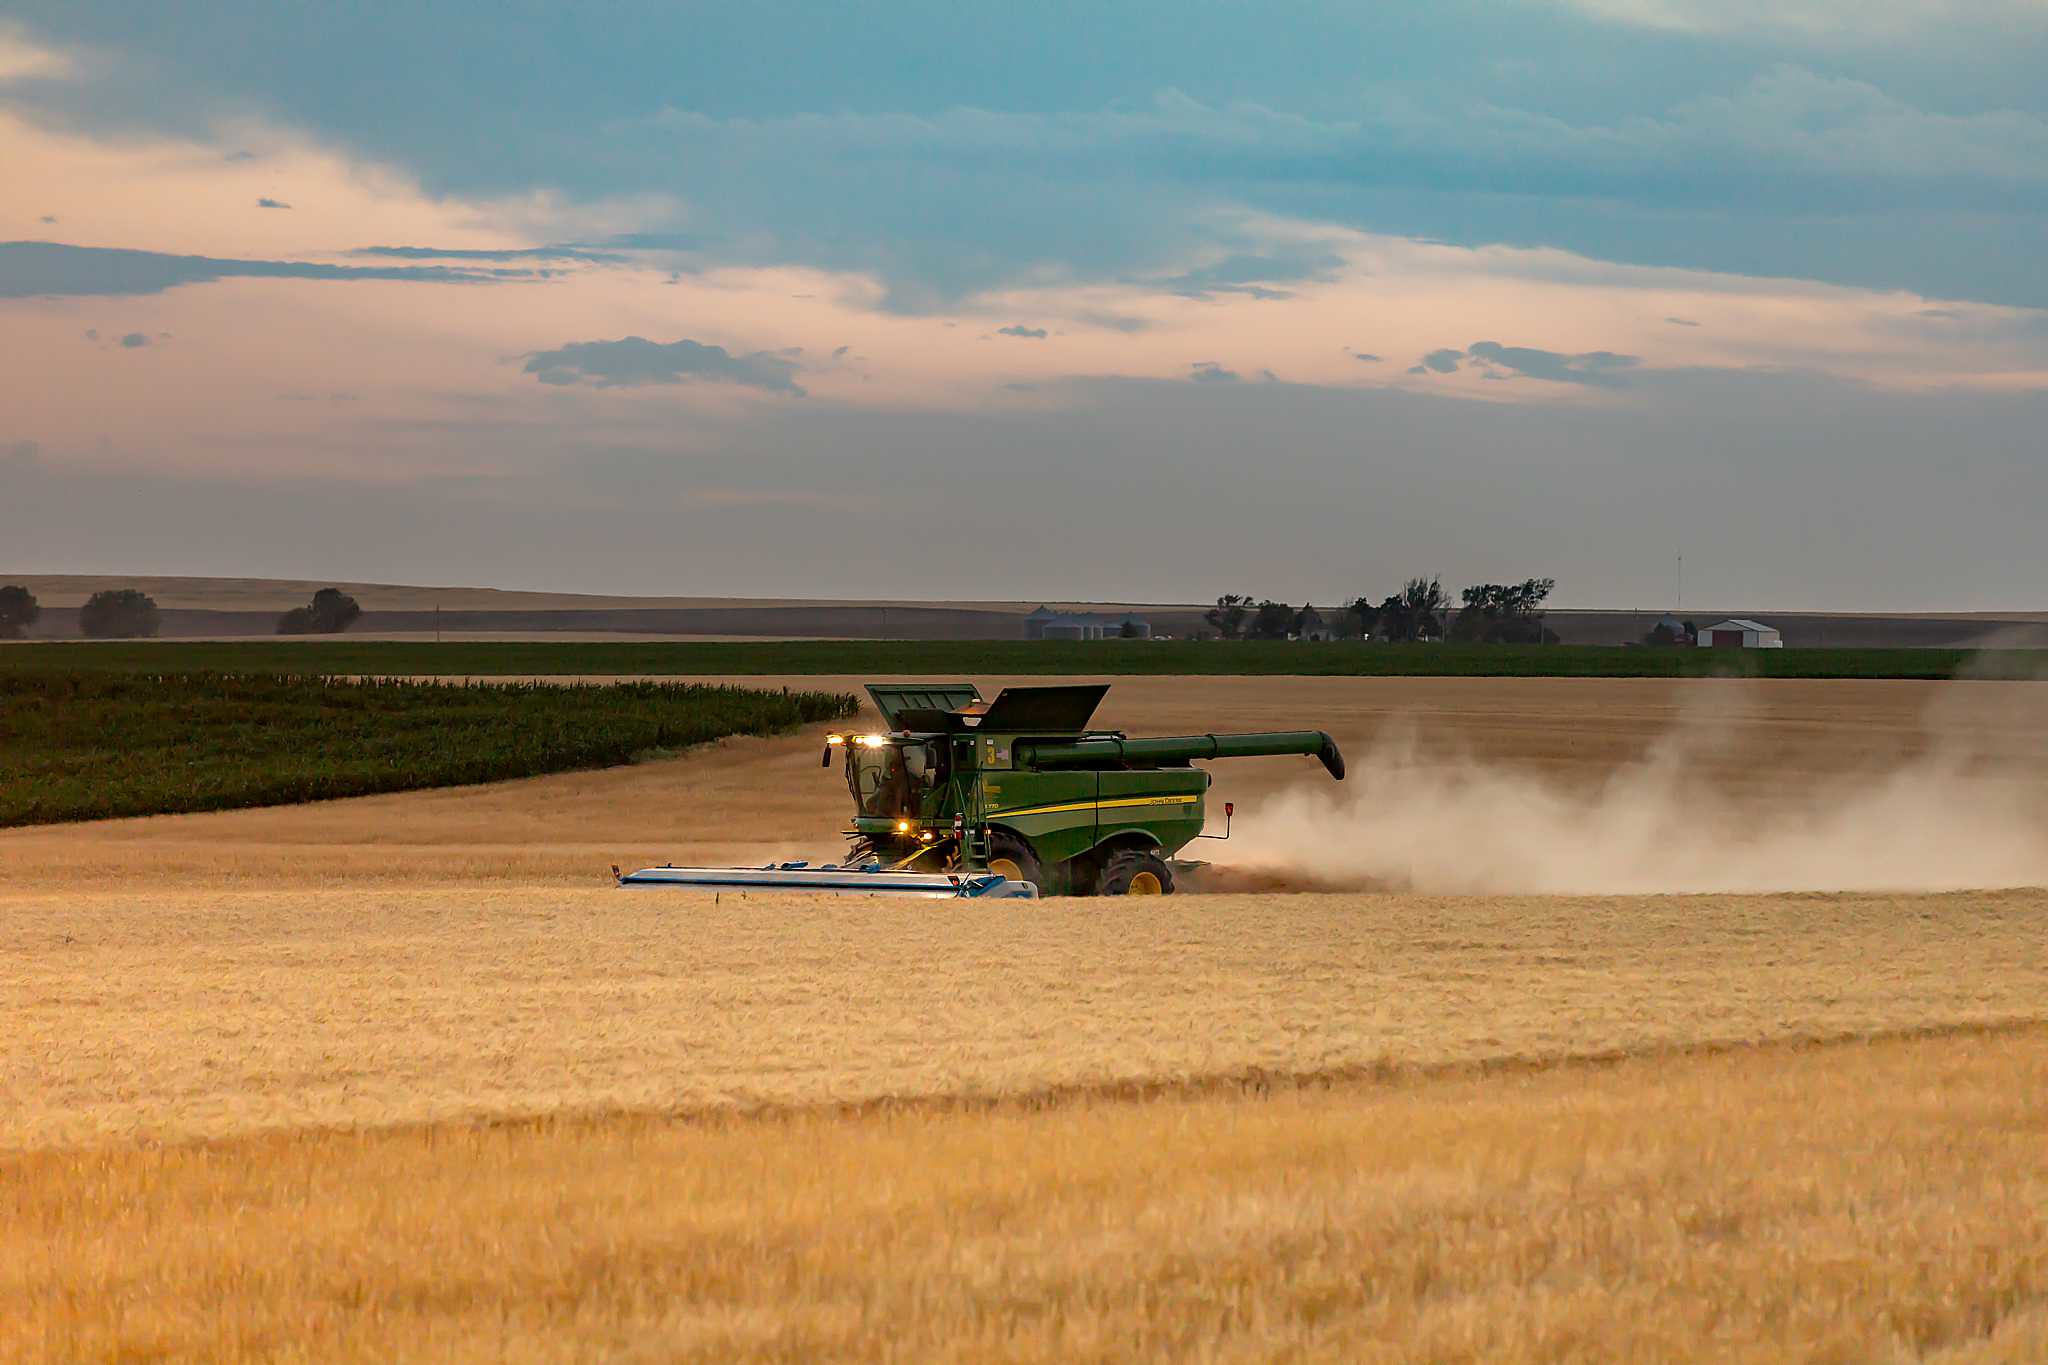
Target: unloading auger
961 798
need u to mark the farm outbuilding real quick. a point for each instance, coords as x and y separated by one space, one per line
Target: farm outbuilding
1741 633
1047 624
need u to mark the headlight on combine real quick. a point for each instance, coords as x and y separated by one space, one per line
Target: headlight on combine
873 741
903 827
835 739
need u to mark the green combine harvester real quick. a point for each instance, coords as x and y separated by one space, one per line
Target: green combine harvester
962 797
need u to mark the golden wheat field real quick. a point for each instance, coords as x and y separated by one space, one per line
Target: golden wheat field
404 1077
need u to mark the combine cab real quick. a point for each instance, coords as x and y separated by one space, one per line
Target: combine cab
1022 788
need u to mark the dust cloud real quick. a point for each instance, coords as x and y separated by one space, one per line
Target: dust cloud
1963 805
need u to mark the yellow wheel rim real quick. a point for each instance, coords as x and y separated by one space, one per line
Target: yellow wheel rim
1006 867
1145 884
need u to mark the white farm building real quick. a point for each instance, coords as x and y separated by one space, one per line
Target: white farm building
1741 634
1047 624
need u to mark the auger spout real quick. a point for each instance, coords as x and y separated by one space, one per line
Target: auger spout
1103 752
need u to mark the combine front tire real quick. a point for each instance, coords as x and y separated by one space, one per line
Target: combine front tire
1134 873
1014 858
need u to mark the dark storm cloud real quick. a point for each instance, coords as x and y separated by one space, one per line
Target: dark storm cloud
634 361
1020 330
44 269
1440 362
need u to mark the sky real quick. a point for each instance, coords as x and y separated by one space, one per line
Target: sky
1114 301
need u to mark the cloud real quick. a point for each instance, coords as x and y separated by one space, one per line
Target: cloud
43 269
631 362
655 241
1020 330
1598 368
1212 372
49 218
1367 356
566 251
1681 322
23 61
268 203
964 151
1779 171
1850 22
134 340
20 453
1252 273
1114 322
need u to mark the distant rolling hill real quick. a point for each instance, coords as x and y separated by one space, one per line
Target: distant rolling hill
232 607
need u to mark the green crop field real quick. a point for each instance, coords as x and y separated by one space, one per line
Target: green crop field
886 658
81 746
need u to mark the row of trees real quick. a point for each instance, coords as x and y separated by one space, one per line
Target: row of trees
114 614
330 612
18 611
130 614
1492 613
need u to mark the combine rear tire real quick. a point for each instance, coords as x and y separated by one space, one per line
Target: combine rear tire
1014 858
1132 873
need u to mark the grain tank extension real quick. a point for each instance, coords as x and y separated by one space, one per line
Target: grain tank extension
1021 787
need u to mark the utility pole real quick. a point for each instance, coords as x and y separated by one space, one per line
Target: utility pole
1681 585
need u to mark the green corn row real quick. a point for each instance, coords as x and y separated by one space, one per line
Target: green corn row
90 745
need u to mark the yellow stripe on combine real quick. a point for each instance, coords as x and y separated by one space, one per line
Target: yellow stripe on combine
1099 805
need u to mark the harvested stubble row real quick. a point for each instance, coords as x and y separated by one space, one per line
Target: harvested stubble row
1851 1203
220 1013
